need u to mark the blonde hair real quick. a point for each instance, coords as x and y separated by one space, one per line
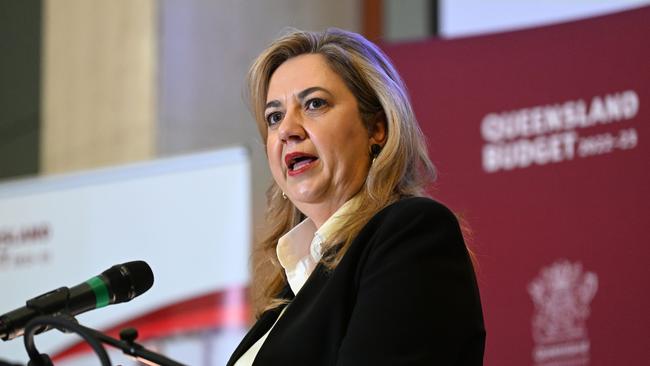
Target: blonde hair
401 169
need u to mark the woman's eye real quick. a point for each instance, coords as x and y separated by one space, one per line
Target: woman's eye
316 103
273 118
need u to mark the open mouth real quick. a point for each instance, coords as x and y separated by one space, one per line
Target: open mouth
297 162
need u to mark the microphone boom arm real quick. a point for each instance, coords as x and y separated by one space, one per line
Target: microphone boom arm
93 337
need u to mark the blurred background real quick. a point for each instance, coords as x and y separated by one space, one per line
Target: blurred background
87 84
94 84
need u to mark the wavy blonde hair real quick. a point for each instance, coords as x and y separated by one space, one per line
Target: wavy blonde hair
401 169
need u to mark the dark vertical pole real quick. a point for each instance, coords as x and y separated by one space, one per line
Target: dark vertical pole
372 19
434 18
20 86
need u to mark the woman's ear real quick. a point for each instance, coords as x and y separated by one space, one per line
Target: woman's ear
378 129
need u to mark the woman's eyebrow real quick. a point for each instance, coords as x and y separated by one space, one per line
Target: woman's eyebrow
303 94
273 103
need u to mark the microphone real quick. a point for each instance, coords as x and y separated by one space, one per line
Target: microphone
120 283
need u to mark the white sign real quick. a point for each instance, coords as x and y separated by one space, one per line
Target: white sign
187 217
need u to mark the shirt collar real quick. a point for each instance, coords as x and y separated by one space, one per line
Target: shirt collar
294 245
304 241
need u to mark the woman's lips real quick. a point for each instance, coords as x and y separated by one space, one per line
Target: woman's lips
301 166
298 162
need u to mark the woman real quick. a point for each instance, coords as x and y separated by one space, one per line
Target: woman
366 270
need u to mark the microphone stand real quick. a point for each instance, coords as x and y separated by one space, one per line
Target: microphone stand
93 337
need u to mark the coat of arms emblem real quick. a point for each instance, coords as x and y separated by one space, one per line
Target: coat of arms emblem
562 293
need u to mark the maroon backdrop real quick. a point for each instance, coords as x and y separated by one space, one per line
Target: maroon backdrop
541 139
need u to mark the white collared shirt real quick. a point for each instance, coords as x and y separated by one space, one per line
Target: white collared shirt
299 251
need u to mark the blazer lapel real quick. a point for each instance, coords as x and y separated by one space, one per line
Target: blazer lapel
290 319
259 328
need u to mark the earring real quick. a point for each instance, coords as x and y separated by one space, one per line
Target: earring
375 149
284 196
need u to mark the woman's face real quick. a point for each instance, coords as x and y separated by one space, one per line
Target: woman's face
317 145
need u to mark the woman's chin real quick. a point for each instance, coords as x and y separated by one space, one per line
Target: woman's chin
307 198
303 199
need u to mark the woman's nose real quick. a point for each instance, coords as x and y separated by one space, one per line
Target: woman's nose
291 127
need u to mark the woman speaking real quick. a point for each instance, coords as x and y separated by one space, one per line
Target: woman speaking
366 269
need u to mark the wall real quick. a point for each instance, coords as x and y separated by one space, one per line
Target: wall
99 84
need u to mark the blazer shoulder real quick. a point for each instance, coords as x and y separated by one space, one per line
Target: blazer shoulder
416 208
409 219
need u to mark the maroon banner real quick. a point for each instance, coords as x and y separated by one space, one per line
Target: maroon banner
542 141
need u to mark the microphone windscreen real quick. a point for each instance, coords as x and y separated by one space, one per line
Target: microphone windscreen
141 276
128 280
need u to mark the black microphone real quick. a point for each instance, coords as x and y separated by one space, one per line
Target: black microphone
120 283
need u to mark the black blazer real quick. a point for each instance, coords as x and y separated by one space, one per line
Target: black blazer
404 294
